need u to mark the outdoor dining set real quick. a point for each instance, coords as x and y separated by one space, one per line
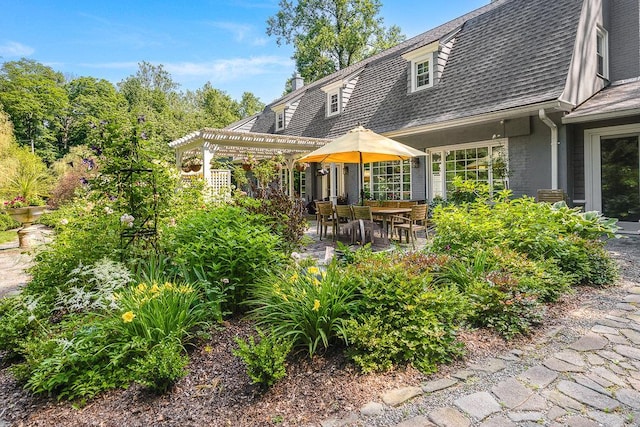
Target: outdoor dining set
372 221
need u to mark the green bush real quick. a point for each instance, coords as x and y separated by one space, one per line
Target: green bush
85 233
20 317
6 222
140 341
403 317
284 215
265 360
231 248
162 366
538 230
307 307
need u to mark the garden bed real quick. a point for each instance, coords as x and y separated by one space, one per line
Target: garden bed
217 390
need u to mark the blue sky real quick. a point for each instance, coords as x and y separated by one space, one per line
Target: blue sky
220 41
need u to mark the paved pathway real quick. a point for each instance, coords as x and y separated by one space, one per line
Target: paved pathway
585 373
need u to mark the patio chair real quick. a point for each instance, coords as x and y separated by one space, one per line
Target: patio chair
344 218
326 218
406 203
416 221
363 219
318 203
551 196
390 204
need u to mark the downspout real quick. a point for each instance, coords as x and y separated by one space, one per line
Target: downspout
554 147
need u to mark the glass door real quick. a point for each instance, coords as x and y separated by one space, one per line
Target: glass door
620 177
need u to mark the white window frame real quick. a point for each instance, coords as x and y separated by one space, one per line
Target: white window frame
498 142
602 40
280 120
592 165
370 167
419 56
333 89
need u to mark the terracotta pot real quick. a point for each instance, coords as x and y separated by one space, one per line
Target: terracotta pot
300 168
195 168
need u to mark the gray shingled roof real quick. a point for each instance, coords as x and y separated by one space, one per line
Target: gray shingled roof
507 54
618 99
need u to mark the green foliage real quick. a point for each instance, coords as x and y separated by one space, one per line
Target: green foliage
142 340
162 366
538 230
498 303
19 319
24 175
85 233
6 222
403 317
328 36
265 360
307 307
285 216
232 248
467 191
34 97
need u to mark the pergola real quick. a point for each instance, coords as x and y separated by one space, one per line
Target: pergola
213 143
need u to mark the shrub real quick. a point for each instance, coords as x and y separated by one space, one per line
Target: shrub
539 230
231 248
265 360
162 366
20 317
140 341
284 215
306 307
6 222
403 318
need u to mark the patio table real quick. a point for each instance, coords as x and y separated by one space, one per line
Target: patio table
385 213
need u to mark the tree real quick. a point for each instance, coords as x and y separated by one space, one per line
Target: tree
329 35
34 97
92 103
218 107
250 105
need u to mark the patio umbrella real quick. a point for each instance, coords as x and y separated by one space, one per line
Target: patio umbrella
361 146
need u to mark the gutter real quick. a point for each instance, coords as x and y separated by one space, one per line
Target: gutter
554 147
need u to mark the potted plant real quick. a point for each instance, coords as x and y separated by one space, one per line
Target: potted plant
302 166
26 182
248 162
191 163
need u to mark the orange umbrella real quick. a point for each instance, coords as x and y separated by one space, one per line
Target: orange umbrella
361 145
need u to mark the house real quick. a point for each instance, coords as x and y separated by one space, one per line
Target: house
524 94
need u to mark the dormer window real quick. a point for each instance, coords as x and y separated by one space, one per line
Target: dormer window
333 101
422 66
281 117
334 98
602 52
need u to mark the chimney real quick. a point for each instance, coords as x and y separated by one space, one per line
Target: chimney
298 81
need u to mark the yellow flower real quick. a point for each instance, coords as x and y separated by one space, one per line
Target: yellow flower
284 297
294 277
128 317
155 288
168 285
316 282
316 305
313 270
142 287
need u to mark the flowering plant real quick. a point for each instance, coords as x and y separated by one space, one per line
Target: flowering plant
21 202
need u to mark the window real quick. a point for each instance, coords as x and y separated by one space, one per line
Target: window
422 74
280 123
333 103
388 180
485 163
422 66
602 52
299 182
334 97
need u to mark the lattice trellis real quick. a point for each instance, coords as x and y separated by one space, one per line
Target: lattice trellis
220 183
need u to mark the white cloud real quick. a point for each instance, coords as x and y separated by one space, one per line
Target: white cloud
239 31
225 70
15 49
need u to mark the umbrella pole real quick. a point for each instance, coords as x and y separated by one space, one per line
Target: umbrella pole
361 181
